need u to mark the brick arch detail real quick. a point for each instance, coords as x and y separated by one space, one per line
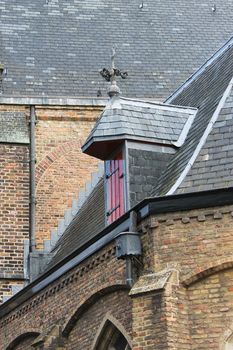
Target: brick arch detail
109 318
52 156
89 302
207 270
19 338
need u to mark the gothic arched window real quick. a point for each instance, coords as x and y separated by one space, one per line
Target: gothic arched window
111 338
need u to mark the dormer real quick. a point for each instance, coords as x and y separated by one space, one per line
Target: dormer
136 139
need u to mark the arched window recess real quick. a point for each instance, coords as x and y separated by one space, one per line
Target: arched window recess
110 337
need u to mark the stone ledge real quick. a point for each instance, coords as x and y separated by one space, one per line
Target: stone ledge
152 282
53 101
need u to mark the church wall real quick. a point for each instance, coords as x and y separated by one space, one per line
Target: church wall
192 240
14 214
116 305
195 244
61 169
99 276
211 310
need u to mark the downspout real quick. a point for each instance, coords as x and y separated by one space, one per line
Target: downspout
129 262
128 247
32 219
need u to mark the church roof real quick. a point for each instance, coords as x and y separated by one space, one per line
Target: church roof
55 48
141 121
204 91
213 166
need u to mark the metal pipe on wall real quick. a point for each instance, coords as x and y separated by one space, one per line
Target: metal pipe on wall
32 224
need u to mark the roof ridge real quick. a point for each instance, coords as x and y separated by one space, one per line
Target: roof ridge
203 139
200 70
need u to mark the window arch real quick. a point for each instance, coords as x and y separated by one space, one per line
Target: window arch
23 341
111 337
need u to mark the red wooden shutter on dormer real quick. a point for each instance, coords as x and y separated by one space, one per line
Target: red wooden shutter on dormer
115 188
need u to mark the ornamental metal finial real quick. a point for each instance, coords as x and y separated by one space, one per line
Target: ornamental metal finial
111 75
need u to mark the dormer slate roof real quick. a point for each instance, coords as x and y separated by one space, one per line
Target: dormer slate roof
125 119
56 48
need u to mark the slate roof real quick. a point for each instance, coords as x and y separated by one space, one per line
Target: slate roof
204 92
13 128
138 120
56 47
213 168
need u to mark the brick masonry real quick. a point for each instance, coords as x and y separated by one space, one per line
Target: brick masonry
14 211
62 169
192 311
76 293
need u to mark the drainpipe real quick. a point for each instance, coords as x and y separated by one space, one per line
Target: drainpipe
128 247
32 227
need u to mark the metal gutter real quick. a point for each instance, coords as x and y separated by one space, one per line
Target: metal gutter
149 206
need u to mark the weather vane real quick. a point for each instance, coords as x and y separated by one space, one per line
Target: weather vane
111 75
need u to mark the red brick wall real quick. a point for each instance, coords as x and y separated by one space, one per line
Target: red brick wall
58 303
211 310
62 169
192 312
14 209
199 245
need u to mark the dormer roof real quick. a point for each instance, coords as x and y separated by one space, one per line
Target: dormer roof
142 121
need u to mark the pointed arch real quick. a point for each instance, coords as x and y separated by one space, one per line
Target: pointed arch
21 337
90 301
111 336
